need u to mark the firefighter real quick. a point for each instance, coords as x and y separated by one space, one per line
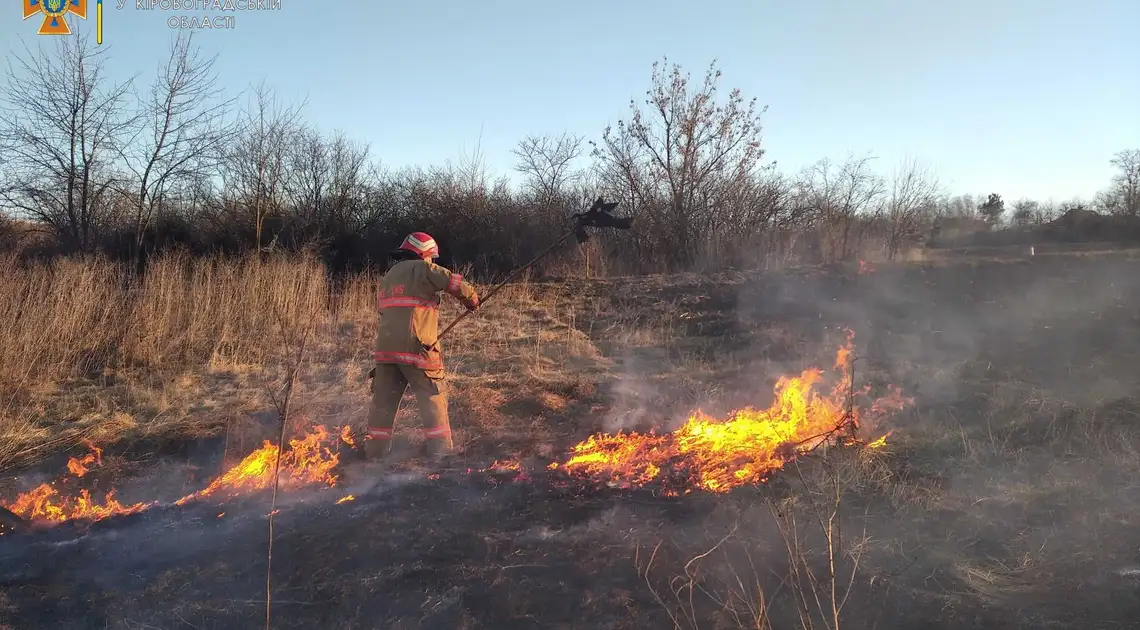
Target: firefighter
407 352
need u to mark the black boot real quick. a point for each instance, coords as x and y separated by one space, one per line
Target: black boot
437 451
375 450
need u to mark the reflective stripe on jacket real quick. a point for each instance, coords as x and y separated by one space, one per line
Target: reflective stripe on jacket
408 304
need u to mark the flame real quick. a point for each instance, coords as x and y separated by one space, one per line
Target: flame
865 268
308 461
879 442
500 466
506 469
703 454
346 436
715 456
79 467
44 503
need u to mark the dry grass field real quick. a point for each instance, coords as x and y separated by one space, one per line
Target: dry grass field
1003 497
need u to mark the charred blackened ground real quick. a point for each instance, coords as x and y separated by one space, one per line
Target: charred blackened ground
1006 492
1003 498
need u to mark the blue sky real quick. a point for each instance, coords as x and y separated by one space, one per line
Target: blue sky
1027 98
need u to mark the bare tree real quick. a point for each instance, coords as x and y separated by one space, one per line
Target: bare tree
622 175
546 163
959 207
61 124
1125 191
911 200
325 176
689 151
308 179
181 133
839 196
257 159
469 176
348 166
751 223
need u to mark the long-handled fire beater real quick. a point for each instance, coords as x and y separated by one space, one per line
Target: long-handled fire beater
600 215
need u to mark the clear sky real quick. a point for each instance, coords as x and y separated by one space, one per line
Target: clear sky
1020 97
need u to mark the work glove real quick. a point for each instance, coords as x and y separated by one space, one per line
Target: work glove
473 305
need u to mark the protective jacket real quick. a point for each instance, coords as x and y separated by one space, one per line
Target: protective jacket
409 312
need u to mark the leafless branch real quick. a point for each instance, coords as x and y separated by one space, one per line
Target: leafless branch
546 162
257 160
180 131
912 197
62 123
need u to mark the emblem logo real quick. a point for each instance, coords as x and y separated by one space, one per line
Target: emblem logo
55 14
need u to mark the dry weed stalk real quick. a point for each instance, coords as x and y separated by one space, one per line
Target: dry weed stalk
747 605
818 597
297 315
820 575
283 411
819 594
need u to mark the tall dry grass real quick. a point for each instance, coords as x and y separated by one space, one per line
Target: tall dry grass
90 351
72 318
80 319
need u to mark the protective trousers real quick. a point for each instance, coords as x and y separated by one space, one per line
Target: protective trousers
388 387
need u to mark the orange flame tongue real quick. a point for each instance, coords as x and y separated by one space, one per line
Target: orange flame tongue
44 503
346 436
716 456
308 461
80 466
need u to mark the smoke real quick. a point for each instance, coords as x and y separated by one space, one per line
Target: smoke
633 396
376 483
1007 482
930 329
659 380
1005 494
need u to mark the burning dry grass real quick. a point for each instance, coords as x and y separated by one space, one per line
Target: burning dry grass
309 460
986 496
987 506
45 502
704 454
195 348
718 455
